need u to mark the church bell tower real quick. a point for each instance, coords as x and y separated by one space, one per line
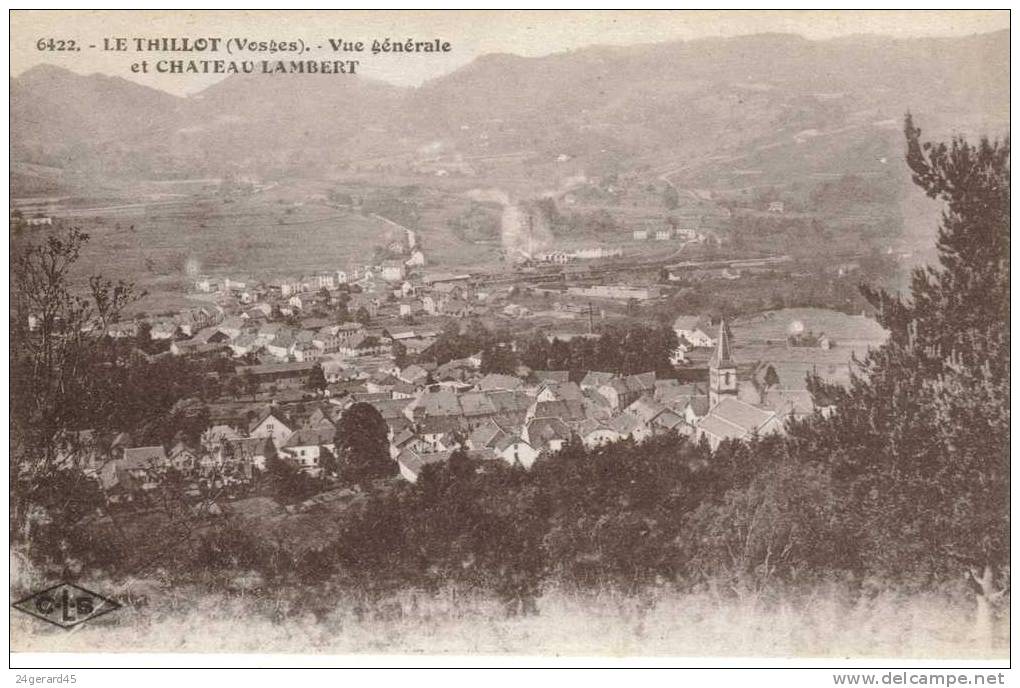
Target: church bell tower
722 371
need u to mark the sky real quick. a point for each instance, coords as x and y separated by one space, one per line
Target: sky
470 34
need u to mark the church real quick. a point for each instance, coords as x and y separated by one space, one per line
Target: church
731 412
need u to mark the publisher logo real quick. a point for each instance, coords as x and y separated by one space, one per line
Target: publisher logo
66 605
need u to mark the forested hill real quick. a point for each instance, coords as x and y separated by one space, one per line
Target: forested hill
762 100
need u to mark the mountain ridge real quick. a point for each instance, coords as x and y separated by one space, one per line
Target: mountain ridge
648 104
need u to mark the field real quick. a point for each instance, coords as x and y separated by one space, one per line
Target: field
762 337
773 326
161 244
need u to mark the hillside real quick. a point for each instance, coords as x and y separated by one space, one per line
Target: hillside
699 112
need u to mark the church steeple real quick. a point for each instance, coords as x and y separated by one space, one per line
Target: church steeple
722 371
721 357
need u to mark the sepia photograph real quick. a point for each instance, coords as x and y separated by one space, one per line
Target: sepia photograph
573 336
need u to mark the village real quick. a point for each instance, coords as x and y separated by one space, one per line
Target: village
295 354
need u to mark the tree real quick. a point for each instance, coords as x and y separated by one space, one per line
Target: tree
764 378
399 352
362 444
250 383
670 197
328 463
919 444
62 377
362 316
143 335
289 483
317 378
498 358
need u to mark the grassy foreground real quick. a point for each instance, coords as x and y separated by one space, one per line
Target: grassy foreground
237 615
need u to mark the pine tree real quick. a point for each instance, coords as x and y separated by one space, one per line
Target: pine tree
919 444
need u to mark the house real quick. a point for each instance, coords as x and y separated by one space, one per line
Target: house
305 448
776 207
306 351
327 339
678 355
629 425
404 439
282 346
414 374
430 304
181 457
515 451
456 308
214 436
245 344
663 234
324 415
594 433
136 471
336 371
416 260
411 463
622 392
570 411
494 381
691 328
381 382
82 449
511 408
655 417
695 409
281 374
271 425
547 434
733 419
164 329
392 270
232 327
366 301
210 335
362 344
269 331
441 433
486 435
410 307
558 391
259 311
191 347
675 395
640 234
404 390
138 458
513 310
552 375
594 380
437 278
119 330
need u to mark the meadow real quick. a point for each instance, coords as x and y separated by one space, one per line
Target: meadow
162 245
